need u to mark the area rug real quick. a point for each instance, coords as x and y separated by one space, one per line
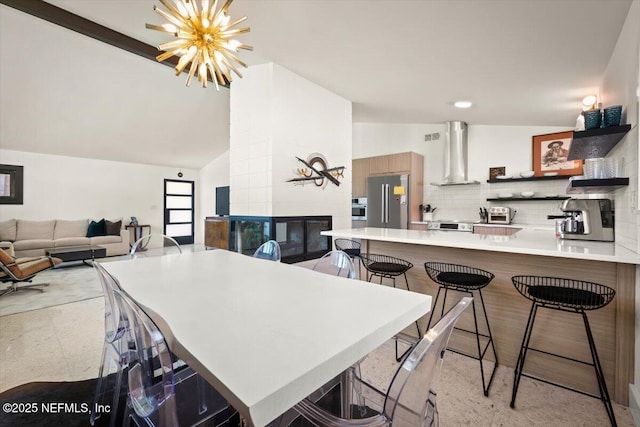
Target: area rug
66 284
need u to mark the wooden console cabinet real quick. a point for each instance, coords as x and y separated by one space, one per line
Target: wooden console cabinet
216 233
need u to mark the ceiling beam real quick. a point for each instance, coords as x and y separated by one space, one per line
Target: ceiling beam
55 15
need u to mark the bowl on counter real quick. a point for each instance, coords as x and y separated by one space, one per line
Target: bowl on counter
505 195
528 174
527 194
503 177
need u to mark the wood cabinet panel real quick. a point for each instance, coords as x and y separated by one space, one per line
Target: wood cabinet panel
379 165
360 173
216 233
400 162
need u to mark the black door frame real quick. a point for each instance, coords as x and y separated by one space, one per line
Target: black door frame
183 240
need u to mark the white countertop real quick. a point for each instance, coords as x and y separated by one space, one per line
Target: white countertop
530 240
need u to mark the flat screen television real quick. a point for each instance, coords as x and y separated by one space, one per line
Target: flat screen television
222 201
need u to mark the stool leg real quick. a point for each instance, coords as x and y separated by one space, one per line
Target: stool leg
433 307
444 301
400 357
604 393
523 353
493 347
485 386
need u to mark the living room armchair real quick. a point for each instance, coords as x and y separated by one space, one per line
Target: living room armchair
21 270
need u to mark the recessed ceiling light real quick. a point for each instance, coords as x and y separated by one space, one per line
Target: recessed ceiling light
463 104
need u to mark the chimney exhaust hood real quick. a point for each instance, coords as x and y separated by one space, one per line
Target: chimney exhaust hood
455 156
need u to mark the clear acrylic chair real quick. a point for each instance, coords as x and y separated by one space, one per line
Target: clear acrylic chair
351 248
115 347
268 250
157 395
411 397
336 263
165 246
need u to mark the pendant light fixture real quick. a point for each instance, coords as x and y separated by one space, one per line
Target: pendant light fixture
203 38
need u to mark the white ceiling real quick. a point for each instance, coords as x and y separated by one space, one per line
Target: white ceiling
522 62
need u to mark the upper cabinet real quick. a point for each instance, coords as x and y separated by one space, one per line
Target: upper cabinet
391 163
360 173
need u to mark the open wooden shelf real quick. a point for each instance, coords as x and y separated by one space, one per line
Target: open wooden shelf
605 185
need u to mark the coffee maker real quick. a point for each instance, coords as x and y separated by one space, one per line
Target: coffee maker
588 219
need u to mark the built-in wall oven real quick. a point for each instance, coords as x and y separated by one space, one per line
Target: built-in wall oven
359 209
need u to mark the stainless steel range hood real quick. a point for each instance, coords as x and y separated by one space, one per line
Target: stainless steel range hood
455 156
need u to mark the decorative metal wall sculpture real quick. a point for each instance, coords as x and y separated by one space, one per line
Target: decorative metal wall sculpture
315 170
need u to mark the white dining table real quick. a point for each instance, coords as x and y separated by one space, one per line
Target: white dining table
264 334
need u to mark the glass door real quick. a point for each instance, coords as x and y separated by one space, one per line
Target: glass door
179 202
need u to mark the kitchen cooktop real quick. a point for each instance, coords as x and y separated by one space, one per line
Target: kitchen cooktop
452 225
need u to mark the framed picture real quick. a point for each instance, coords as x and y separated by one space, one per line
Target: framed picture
11 185
494 173
550 153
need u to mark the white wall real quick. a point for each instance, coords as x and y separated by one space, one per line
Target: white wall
621 86
488 146
277 115
60 187
215 174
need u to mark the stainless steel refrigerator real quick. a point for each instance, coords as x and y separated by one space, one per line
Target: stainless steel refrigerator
388 201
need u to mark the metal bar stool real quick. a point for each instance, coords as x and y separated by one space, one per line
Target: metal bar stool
572 296
460 278
351 248
385 266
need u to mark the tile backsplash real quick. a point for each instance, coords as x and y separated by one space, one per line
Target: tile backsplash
462 202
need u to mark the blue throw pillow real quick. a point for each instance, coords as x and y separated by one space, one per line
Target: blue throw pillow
97 228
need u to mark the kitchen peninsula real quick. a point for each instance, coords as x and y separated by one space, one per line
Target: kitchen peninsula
531 251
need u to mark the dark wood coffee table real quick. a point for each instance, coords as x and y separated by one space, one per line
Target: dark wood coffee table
77 253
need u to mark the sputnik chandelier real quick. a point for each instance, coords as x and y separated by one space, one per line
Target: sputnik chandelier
203 39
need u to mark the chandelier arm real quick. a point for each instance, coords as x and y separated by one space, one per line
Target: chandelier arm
212 11
229 64
228 33
172 9
231 57
192 70
244 18
226 6
214 77
174 20
190 9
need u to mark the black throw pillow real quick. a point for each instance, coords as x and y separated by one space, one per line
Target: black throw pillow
96 229
112 228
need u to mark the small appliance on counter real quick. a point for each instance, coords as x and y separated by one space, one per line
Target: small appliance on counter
500 215
588 219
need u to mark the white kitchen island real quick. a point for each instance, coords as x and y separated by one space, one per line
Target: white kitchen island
532 251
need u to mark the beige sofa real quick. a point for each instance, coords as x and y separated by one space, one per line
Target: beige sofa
32 238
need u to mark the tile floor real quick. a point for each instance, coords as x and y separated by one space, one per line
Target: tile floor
64 343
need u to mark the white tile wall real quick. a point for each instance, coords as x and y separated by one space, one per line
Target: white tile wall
276 116
626 198
462 202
